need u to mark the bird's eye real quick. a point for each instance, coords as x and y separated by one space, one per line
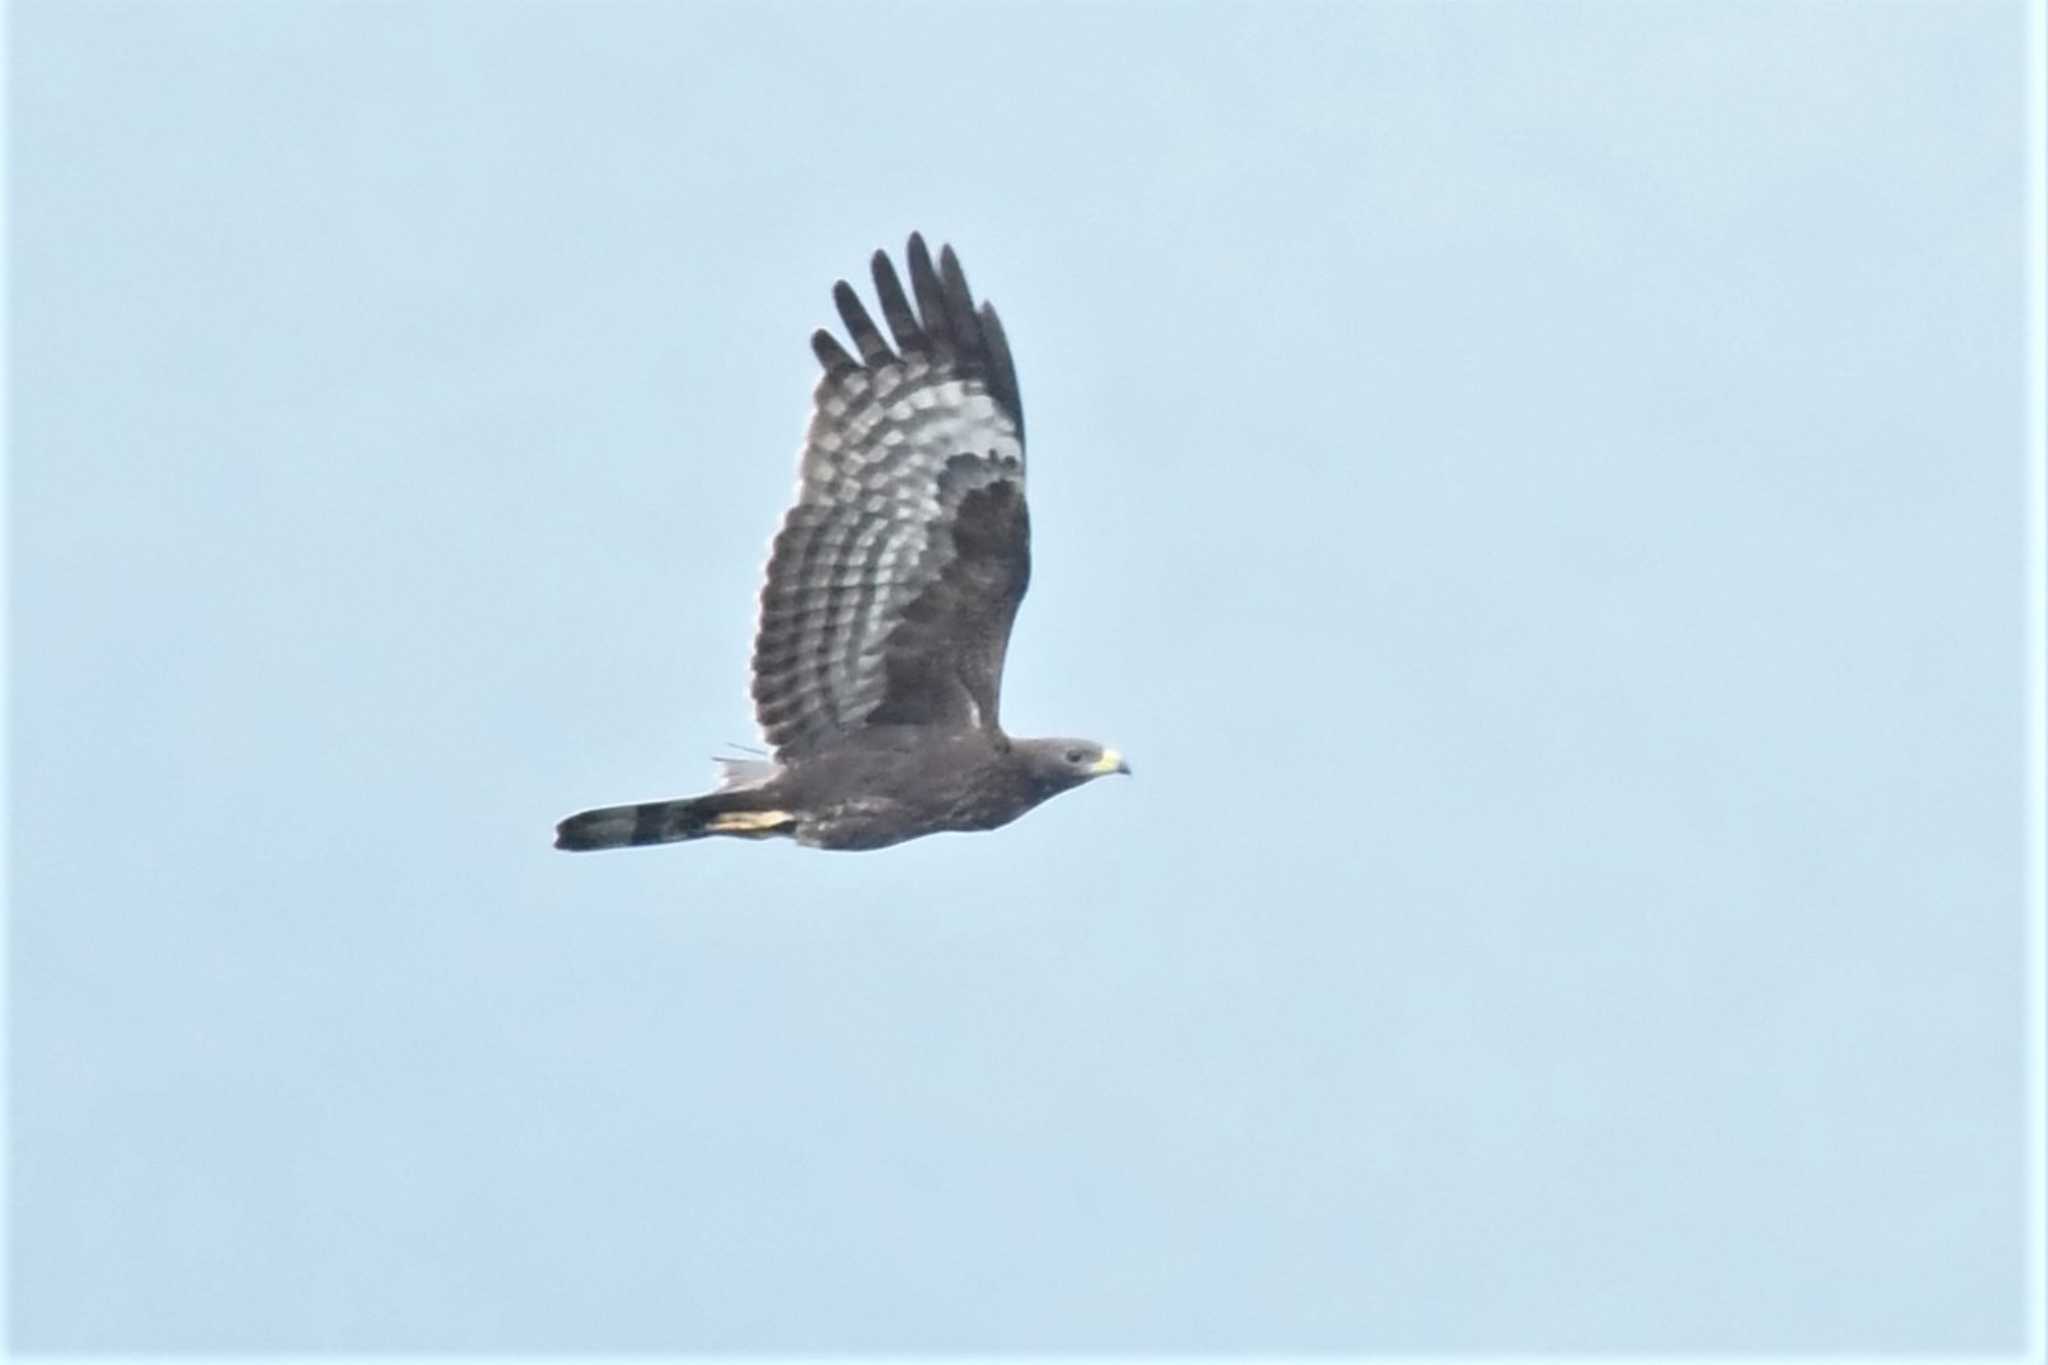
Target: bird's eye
1076 755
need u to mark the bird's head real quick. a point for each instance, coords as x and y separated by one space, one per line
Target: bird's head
1058 764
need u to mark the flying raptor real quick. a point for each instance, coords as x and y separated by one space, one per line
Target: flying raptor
878 663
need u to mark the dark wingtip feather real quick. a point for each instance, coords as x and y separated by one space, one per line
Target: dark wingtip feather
943 320
895 306
830 353
959 302
866 336
1002 372
931 298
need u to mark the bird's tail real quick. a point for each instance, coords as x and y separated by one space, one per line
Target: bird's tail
737 813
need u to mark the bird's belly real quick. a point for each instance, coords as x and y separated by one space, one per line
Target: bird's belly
878 822
864 824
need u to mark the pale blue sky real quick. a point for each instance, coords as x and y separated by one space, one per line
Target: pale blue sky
1536 491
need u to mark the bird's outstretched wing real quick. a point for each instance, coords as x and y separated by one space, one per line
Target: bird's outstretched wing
895 577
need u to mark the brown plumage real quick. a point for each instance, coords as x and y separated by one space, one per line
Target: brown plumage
890 593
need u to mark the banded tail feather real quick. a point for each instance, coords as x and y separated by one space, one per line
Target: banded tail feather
669 822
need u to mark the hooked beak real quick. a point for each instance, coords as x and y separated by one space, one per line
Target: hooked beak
1110 762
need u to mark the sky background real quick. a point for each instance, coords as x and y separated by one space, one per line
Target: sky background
1537 492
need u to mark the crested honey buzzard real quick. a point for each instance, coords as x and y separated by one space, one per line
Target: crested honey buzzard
891 587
